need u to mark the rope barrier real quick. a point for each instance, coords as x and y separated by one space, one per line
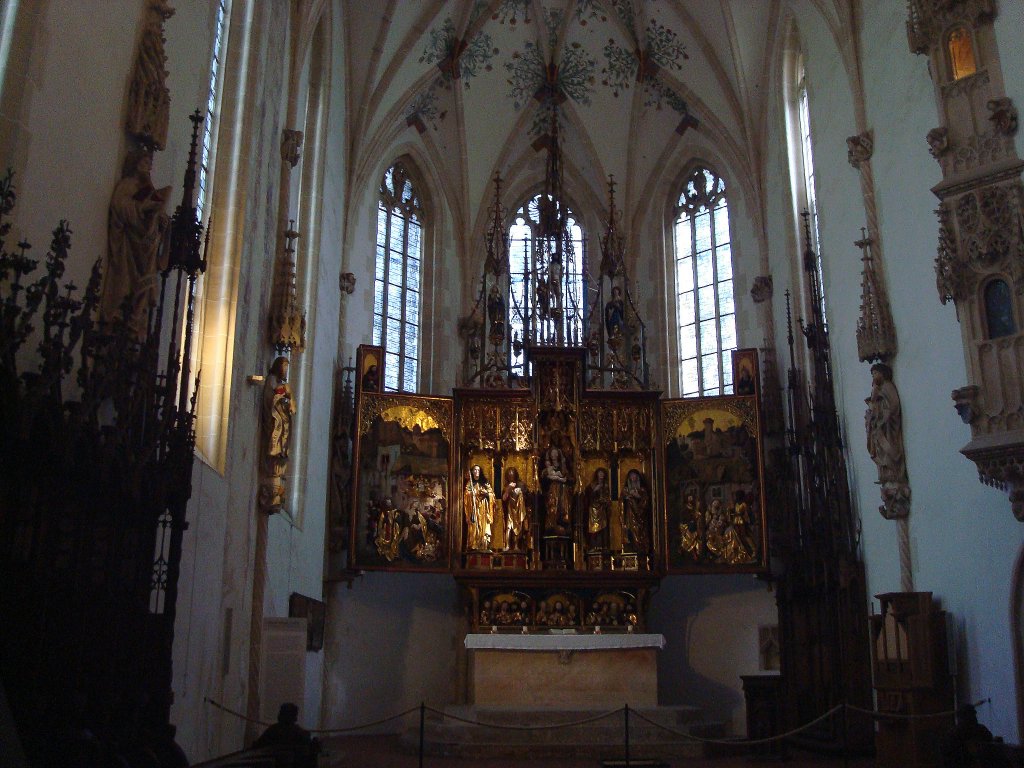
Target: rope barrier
551 727
740 742
318 730
604 715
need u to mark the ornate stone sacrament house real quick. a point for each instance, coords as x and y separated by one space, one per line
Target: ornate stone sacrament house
556 486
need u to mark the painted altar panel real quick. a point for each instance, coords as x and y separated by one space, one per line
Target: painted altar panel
402 494
714 485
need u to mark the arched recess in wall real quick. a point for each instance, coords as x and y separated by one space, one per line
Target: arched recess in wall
309 114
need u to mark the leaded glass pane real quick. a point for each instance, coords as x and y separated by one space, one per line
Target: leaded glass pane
684 247
703 224
397 233
382 225
725 299
705 302
412 306
409 374
412 340
395 268
705 269
393 336
391 371
689 376
708 335
394 301
412 276
728 327
722 223
724 255
709 370
414 240
379 266
377 325
684 274
688 341
686 308
378 297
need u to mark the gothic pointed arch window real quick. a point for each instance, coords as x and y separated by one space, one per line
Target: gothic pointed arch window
397 278
705 305
530 254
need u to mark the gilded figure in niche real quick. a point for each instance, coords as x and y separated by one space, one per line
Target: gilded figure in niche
636 505
599 503
883 421
478 506
554 480
513 501
136 225
278 411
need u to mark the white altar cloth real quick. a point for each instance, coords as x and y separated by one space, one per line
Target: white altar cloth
583 641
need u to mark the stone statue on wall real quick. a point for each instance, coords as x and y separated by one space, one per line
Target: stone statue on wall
277 415
149 101
883 421
135 232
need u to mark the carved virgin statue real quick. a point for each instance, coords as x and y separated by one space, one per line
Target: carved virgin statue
135 231
883 421
554 479
599 503
513 501
277 414
636 504
478 506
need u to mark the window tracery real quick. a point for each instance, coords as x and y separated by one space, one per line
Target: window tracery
397 277
705 304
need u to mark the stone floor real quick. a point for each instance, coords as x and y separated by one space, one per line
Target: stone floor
387 752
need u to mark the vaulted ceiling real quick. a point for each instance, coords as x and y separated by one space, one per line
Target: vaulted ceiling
633 78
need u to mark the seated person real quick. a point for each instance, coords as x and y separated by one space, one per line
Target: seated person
287 735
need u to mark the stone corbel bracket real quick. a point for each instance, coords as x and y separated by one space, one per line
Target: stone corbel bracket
1000 462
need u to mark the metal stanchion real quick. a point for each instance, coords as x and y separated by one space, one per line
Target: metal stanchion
423 714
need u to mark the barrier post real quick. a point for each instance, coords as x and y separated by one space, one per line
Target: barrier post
626 708
423 713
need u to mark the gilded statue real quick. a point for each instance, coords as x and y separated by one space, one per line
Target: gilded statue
555 481
517 522
883 421
478 505
135 232
277 413
636 505
599 503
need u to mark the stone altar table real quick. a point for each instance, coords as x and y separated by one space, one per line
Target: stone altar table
582 670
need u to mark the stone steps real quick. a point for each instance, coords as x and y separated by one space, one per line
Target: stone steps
444 735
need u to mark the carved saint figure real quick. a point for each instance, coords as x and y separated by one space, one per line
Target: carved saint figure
599 502
478 504
555 479
513 501
615 314
149 100
883 422
135 231
636 504
277 412
388 530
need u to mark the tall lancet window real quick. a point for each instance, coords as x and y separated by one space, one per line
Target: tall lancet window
705 307
533 299
806 196
212 104
396 284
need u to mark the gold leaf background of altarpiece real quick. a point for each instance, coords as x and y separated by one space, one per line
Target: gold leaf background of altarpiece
557 505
